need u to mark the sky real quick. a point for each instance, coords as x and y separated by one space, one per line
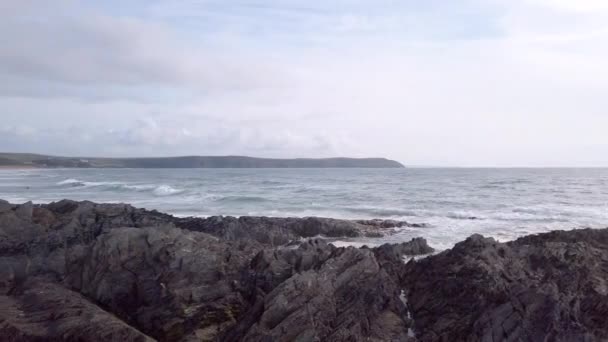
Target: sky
441 83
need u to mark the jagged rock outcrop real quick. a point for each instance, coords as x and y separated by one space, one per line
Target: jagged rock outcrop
72 271
389 223
321 293
149 279
547 287
278 231
47 311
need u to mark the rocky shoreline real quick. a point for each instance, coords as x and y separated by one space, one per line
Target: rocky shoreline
81 271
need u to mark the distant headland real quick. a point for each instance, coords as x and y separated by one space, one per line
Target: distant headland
27 160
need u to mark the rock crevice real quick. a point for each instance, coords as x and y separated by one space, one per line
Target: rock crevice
85 271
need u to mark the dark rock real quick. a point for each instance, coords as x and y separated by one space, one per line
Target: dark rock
86 271
545 287
44 217
173 284
25 211
5 206
392 256
168 282
417 246
64 206
382 223
44 311
322 293
378 223
277 231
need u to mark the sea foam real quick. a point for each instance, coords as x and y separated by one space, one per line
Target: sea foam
156 189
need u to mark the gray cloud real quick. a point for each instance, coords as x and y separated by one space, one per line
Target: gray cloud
524 86
98 56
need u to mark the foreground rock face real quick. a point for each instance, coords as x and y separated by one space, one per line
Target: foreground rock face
74 271
47 311
68 267
550 287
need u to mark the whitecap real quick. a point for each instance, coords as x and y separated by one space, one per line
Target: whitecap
70 181
166 190
158 190
77 182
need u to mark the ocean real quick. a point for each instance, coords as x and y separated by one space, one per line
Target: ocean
453 202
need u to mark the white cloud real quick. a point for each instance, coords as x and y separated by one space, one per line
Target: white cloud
572 5
56 50
482 83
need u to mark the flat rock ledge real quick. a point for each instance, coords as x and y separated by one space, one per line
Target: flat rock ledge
81 271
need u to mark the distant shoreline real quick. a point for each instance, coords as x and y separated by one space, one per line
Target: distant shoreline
23 160
18 167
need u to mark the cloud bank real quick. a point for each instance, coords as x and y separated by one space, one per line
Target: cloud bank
477 83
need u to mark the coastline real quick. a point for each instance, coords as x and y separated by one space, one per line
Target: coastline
18 167
263 278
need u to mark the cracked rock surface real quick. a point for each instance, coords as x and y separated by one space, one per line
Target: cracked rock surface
548 287
81 271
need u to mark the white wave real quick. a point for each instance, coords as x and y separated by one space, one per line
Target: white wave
141 187
81 183
356 244
166 190
158 190
70 181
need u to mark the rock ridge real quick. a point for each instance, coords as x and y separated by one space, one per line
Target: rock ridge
73 271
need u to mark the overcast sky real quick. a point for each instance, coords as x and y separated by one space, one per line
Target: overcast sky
436 82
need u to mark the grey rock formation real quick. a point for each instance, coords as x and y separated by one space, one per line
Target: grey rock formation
80 271
148 279
346 297
278 231
548 287
389 223
166 281
5 206
416 246
47 311
25 211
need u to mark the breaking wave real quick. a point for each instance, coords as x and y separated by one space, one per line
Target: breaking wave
158 190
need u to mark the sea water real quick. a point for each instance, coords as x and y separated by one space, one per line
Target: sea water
454 203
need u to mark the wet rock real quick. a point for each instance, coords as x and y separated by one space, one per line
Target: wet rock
43 311
378 223
25 211
338 294
544 287
43 217
158 281
165 281
416 246
5 206
277 231
87 271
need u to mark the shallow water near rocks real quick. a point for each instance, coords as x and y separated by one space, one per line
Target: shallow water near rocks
455 203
